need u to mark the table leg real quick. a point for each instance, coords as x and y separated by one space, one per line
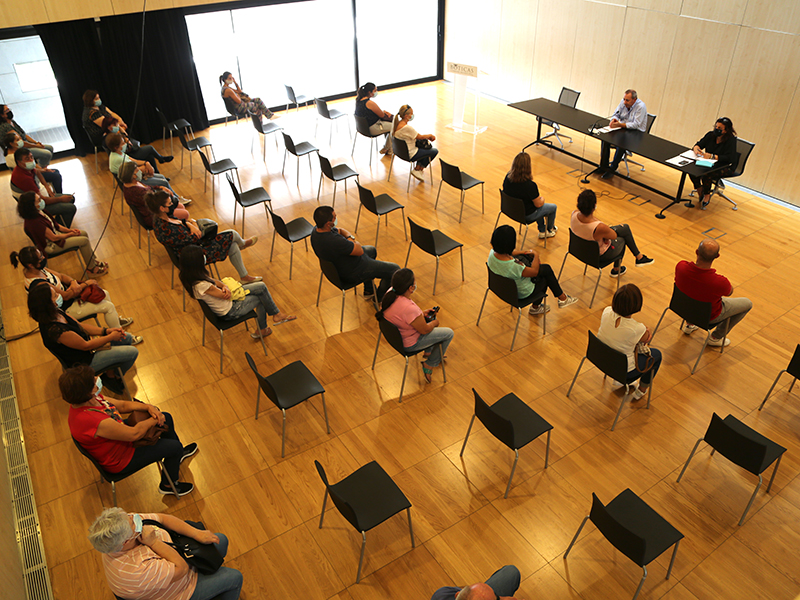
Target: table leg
538 135
677 198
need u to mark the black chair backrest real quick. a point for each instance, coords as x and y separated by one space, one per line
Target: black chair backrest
279 224
610 361
233 187
322 108
568 97
694 311
331 274
367 199
650 120
513 208
451 174
794 365
498 426
744 148
173 256
105 474
140 217
256 118
209 314
287 141
586 251
503 287
204 158
400 149
422 238
184 143
230 106
263 382
731 442
344 508
162 118
290 93
325 166
392 335
362 126
97 142
623 539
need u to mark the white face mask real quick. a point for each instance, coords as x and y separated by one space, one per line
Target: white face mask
41 204
138 175
30 165
99 384
20 143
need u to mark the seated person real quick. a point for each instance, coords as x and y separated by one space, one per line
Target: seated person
531 275
354 263
197 280
177 234
502 585
519 184
623 333
379 121
27 179
403 131
630 114
34 268
238 102
11 143
418 333
42 152
612 240
50 237
139 562
71 342
96 424
134 190
117 155
718 144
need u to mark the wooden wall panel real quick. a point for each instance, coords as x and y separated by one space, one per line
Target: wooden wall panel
668 6
517 27
122 7
554 43
466 36
783 178
34 13
594 61
644 59
777 15
59 10
724 11
761 83
696 79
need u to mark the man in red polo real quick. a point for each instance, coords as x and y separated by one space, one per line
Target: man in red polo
27 179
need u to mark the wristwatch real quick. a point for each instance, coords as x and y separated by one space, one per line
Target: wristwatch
351 237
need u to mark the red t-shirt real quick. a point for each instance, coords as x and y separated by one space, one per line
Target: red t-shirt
702 284
24 179
113 455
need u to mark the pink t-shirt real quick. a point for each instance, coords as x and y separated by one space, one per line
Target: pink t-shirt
402 311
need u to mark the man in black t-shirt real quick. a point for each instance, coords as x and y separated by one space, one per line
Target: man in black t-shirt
355 263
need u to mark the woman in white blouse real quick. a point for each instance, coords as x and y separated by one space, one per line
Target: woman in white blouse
402 130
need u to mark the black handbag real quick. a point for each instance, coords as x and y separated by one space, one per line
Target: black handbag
424 144
205 558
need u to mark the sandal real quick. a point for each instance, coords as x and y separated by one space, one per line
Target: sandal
100 268
427 372
286 320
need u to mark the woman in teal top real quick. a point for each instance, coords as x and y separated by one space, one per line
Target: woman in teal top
530 274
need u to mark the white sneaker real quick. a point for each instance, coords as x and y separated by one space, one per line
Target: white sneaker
538 309
567 301
718 342
548 234
688 328
417 175
638 394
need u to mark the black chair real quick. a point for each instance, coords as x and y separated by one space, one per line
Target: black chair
634 529
793 369
247 199
512 422
362 127
743 149
435 243
172 127
612 363
297 150
506 289
293 231
142 225
650 120
215 168
378 206
336 174
514 209
288 387
62 252
744 447
264 129
588 252
567 97
95 144
232 108
454 177
692 312
196 144
366 498
176 264
400 150
331 274
395 339
331 115
223 325
113 478
296 99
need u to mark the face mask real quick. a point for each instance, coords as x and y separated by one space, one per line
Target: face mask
99 383
41 204
138 175
98 102
411 117
718 131
59 301
43 263
10 115
204 260
124 148
375 94
137 524
336 222
114 128
20 143
30 165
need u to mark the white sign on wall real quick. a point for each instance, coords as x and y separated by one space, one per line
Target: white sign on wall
459 69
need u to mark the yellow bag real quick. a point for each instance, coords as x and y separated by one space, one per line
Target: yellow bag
237 291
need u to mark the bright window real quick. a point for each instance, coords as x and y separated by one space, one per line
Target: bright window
34 76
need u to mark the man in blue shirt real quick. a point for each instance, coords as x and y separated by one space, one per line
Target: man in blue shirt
630 114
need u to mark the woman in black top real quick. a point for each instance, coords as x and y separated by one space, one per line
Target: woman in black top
519 184
379 121
718 144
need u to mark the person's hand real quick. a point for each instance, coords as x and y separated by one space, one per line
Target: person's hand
226 292
75 231
75 287
194 229
148 536
117 334
432 137
435 322
89 282
148 170
162 188
156 414
206 537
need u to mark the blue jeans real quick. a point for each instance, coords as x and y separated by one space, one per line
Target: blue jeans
440 335
368 269
169 449
259 299
641 359
225 584
121 354
53 179
65 210
157 180
43 156
505 581
546 212
424 156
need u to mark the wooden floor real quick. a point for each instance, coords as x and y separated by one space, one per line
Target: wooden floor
269 507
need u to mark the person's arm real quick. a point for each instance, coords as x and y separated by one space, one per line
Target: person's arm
646 337
122 124
533 270
126 406
604 232
110 429
422 326
727 153
427 136
373 106
52 236
168 553
72 340
219 291
232 95
180 526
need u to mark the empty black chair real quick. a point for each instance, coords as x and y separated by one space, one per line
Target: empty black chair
512 422
650 120
744 447
588 252
453 176
693 312
335 174
506 289
265 129
378 206
296 99
297 150
215 168
366 498
743 149
634 529
331 274
288 387
293 231
172 127
362 127
612 363
196 144
247 199
395 339
400 150
435 243
514 209
567 97
793 369
331 115
113 478
223 325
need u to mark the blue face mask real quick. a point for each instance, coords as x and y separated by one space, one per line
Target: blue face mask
114 128
138 175
98 102
137 524
124 148
41 205
20 143
59 301
30 165
99 383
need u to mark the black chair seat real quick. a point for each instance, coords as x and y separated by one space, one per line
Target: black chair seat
527 424
294 384
385 204
304 148
467 181
226 164
253 197
442 243
343 171
179 124
268 127
335 114
360 490
222 323
297 229
772 450
197 143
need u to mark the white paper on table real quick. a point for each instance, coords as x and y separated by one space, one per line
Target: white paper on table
606 129
680 161
689 154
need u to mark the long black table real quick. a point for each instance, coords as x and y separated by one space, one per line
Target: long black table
644 144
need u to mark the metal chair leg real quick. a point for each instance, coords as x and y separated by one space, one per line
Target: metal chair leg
514 339
324 502
436 204
752 498
403 385
409 249
341 319
772 388
641 583
619 410
461 212
461 252
361 559
258 398
547 450
513 468
435 275
569 391
672 560
482 304
283 434
596 285
374 358
411 528
688 460
221 343
469 429
577 533
325 410
659 323
319 289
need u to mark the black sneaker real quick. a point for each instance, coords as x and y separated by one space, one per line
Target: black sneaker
189 450
183 487
114 384
166 159
644 261
618 272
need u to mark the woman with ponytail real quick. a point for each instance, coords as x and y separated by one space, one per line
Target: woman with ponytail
403 131
420 330
379 121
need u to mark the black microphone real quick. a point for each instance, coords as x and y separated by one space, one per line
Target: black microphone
594 125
